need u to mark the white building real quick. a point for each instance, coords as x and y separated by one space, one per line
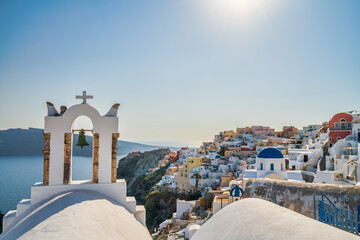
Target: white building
166 179
356 127
183 207
233 160
215 159
233 143
343 165
209 175
188 153
299 157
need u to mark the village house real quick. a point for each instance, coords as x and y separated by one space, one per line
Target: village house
226 178
182 176
262 132
186 152
342 164
340 126
287 132
209 176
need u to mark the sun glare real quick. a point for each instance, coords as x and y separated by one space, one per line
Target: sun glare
238 12
240 6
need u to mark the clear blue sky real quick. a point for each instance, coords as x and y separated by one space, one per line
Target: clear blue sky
182 70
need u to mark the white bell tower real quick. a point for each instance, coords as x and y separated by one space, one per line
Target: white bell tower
58 134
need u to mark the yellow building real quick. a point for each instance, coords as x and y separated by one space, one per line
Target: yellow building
228 134
182 177
229 153
225 179
237 151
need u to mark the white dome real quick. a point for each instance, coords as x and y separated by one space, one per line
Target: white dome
254 219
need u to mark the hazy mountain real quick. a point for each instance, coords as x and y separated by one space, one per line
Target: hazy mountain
31 142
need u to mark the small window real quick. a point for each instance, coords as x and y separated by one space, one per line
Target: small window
349 124
338 138
343 124
181 174
261 166
282 167
185 175
272 167
336 125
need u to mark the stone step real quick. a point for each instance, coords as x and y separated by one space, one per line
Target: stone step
8 219
140 214
130 204
22 206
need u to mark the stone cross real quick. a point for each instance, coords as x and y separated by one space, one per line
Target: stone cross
84 97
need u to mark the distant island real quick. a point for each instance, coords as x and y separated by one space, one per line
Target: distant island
25 142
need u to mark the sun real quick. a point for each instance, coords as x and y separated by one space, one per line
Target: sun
235 12
240 6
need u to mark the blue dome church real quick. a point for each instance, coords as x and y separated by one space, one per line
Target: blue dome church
270 163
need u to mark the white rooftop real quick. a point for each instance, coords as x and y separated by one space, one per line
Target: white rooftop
254 219
79 214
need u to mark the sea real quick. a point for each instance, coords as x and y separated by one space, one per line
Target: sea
19 173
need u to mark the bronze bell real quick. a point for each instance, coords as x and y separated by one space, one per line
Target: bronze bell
82 139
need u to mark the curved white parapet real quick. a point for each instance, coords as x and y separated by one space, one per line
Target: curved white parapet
42 193
78 214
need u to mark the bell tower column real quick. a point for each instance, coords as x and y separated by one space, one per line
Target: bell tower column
46 153
67 158
115 136
95 175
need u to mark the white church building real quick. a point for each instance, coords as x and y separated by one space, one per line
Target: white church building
270 163
60 208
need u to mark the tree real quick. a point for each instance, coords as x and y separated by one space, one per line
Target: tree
197 178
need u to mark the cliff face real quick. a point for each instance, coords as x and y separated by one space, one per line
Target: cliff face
25 142
159 204
136 164
143 184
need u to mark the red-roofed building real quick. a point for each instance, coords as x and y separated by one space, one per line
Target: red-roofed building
340 126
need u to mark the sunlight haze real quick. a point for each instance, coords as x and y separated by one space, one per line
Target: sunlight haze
181 70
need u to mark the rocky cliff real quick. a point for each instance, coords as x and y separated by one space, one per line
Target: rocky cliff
159 204
136 164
